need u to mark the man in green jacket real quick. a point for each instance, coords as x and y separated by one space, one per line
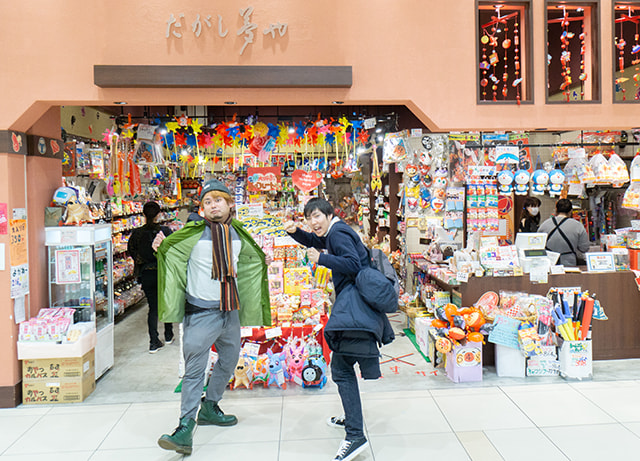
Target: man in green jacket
212 276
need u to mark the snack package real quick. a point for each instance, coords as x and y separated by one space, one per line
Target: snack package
618 171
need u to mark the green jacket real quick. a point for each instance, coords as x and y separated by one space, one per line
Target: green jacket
173 257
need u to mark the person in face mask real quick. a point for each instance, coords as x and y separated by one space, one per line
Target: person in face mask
531 215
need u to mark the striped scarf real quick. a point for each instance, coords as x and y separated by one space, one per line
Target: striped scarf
222 268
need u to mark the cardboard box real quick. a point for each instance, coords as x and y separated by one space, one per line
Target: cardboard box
576 360
510 362
464 363
422 326
57 390
64 367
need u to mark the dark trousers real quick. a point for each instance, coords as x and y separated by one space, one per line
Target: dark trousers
149 281
344 375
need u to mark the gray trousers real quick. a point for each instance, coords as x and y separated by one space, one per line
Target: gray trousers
201 331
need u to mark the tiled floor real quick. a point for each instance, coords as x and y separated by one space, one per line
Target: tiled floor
410 414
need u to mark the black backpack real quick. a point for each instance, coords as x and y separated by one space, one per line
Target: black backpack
380 261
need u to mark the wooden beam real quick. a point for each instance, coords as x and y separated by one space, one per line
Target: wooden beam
222 76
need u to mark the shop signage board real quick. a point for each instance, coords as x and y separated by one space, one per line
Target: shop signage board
264 179
600 262
505 332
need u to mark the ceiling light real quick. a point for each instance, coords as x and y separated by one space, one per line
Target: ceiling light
338 102
120 103
230 103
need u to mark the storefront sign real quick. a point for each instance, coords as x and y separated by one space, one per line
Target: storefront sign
263 179
18 242
219 26
306 181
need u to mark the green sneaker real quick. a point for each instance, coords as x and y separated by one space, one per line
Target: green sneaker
181 440
210 413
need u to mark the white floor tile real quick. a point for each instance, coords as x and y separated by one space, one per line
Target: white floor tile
562 406
140 428
477 412
248 450
402 416
315 450
419 447
460 388
619 401
75 409
257 423
136 454
25 410
56 434
308 420
62 456
12 428
595 442
478 446
633 427
515 445
409 394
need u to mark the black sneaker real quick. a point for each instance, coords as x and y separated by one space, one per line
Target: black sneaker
168 341
155 348
349 449
336 421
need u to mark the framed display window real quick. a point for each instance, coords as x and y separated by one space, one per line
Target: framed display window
503 52
572 50
626 52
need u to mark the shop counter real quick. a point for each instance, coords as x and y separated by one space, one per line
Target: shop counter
615 338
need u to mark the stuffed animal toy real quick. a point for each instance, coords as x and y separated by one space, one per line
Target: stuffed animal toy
556 178
314 373
296 355
77 213
260 371
243 373
277 372
505 180
540 180
522 182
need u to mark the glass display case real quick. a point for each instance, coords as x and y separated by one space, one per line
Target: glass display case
81 276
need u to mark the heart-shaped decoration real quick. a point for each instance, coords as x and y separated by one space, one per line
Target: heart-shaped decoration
306 181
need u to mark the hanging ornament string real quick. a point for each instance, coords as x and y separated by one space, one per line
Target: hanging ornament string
516 59
506 44
484 65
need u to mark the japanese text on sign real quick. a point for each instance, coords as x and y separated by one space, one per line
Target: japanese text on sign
203 22
18 242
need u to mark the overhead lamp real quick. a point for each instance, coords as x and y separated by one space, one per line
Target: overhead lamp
120 103
338 102
230 103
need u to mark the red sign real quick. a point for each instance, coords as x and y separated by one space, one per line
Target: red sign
306 181
263 179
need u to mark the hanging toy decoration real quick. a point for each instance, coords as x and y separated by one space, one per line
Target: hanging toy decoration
505 181
556 179
521 178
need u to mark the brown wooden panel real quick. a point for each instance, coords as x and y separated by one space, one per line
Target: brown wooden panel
13 142
222 76
11 396
616 338
45 147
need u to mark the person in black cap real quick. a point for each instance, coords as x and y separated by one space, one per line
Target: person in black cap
146 269
212 276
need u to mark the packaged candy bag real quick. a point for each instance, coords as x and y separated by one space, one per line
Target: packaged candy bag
631 198
618 171
600 168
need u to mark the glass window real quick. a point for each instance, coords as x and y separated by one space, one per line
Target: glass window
626 52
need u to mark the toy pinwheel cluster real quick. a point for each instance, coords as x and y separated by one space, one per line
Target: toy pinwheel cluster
258 138
455 324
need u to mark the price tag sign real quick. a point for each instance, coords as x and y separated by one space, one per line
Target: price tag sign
273 333
462 277
246 332
251 349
